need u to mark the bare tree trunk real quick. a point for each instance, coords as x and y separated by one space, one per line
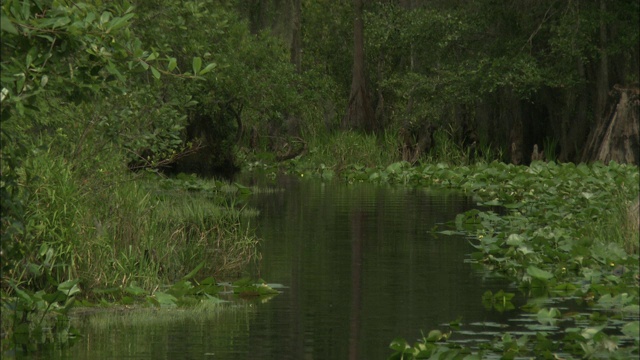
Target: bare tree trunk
360 113
617 137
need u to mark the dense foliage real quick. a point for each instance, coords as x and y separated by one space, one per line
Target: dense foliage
98 95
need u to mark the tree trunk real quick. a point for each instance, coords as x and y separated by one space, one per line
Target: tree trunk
617 137
602 77
296 42
360 113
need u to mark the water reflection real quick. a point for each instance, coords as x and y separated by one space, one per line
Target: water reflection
364 267
361 264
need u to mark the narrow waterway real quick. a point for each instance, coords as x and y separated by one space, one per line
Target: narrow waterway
360 265
363 266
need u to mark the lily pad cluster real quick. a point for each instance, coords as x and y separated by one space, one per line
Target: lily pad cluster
559 231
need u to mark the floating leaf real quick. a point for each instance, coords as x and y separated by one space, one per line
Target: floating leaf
434 335
514 240
548 315
632 329
538 273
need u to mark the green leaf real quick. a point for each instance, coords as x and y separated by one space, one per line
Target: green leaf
197 64
538 273
193 272
548 316
632 329
172 64
133 289
165 299
105 17
55 297
434 335
70 287
155 72
7 25
399 345
214 299
119 22
514 240
208 68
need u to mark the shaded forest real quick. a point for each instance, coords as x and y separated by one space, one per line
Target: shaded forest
507 76
499 79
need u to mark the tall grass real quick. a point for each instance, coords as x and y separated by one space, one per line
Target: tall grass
339 149
447 150
109 229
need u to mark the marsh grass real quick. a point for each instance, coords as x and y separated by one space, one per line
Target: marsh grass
341 149
448 151
148 329
152 241
621 226
112 228
143 317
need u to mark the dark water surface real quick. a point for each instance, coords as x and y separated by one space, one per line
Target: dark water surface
360 265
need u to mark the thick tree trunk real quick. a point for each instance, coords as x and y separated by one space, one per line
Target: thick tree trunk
617 137
360 113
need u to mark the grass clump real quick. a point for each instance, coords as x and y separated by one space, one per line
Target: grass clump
341 149
80 232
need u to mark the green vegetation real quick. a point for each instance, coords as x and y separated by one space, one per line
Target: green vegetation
84 102
100 100
564 231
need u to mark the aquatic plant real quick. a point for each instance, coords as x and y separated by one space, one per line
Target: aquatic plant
558 230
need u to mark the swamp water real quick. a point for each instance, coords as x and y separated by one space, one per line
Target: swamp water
360 265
